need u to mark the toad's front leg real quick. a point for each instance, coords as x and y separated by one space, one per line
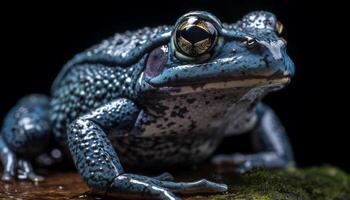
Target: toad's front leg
271 142
98 163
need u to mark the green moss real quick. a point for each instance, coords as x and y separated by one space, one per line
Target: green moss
310 183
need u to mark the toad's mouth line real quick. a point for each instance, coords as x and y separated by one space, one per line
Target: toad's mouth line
245 83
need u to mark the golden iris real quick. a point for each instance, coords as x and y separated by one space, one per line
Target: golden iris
279 27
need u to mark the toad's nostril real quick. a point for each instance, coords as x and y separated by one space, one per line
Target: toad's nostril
233 51
275 48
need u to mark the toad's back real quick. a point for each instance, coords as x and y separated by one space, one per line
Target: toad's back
103 73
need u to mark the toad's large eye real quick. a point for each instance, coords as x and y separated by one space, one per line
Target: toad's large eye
195 36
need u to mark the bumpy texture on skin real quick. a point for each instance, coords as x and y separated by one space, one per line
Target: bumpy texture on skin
120 50
104 106
30 125
88 87
92 153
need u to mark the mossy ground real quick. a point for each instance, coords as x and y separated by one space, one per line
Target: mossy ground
310 183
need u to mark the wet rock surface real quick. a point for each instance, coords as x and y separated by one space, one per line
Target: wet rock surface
309 183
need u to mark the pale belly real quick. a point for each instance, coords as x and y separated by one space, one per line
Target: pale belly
182 131
165 150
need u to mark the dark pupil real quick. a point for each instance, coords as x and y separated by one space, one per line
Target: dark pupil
194 34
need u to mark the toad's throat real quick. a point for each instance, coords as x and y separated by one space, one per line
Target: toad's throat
244 83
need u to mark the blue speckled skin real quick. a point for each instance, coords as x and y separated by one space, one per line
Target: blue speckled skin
110 106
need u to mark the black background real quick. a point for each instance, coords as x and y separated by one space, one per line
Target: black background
38 39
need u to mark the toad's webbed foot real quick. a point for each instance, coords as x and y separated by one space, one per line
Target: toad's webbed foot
274 150
14 167
126 184
243 163
25 171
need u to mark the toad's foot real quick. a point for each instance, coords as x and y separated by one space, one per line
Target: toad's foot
164 177
242 163
16 168
129 184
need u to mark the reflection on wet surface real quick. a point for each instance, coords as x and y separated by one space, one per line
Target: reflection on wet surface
70 186
309 183
57 186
